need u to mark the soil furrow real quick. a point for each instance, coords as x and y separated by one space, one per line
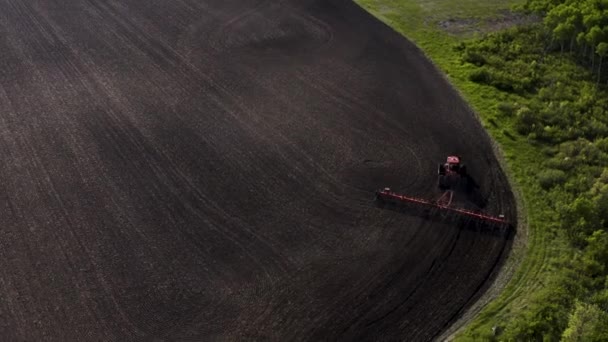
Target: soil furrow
205 170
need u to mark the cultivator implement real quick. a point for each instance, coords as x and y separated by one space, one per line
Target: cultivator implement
442 203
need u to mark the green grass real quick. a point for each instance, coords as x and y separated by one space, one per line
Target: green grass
534 256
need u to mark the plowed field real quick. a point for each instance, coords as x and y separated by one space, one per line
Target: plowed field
205 169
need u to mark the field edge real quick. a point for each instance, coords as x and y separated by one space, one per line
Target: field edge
510 275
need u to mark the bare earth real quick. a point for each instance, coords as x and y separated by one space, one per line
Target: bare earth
204 170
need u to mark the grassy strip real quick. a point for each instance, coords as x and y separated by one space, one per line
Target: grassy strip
535 256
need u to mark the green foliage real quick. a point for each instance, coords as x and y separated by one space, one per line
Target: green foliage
473 57
562 102
541 6
580 24
546 316
602 49
583 151
481 75
602 144
499 64
579 219
550 178
600 298
599 193
555 102
555 312
527 120
587 323
595 259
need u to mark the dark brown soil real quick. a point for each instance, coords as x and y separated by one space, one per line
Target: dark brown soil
204 170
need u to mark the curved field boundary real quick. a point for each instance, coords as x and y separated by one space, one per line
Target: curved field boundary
192 170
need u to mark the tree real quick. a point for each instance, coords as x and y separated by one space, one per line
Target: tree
580 40
587 323
602 50
593 36
564 32
595 257
564 21
580 218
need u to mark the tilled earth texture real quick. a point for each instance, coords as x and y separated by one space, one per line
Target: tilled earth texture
205 170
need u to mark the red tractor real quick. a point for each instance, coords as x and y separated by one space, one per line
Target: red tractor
451 172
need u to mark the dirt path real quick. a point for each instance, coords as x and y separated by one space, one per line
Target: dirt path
205 170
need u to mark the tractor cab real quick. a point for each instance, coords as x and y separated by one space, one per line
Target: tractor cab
452 164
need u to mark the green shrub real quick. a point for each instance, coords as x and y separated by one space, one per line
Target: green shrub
573 148
502 81
546 316
601 298
549 151
588 322
602 144
474 58
560 162
579 219
594 129
591 154
481 75
526 120
550 177
579 183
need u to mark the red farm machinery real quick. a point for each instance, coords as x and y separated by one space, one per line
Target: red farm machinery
452 172
449 173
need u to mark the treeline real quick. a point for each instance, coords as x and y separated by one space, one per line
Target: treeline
547 74
558 100
580 26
